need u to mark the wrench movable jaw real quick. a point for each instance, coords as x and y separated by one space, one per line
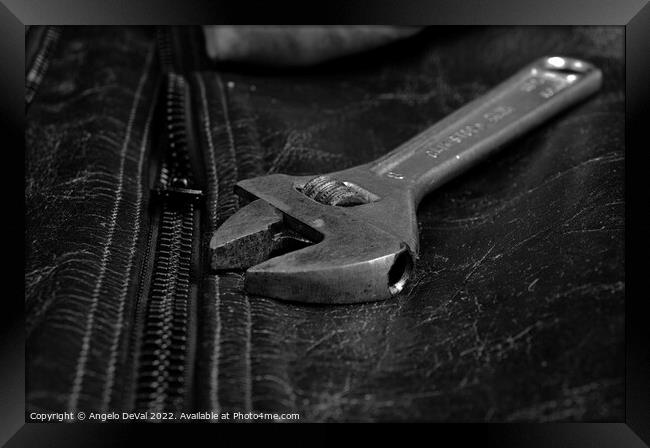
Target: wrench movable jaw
393 211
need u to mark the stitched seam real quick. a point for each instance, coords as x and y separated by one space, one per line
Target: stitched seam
248 382
226 115
85 346
214 201
212 164
110 372
216 352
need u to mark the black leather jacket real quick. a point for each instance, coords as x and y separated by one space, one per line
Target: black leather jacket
516 309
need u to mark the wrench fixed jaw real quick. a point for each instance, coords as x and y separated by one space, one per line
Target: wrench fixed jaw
359 254
335 271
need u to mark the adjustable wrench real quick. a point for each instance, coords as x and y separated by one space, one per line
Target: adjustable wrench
351 235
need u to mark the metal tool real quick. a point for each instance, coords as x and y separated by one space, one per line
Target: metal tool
352 236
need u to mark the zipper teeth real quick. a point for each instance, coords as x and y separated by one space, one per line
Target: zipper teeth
164 345
165 52
176 121
41 62
164 350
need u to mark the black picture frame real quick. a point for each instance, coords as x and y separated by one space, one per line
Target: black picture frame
634 15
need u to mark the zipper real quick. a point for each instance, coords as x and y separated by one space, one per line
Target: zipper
164 330
181 48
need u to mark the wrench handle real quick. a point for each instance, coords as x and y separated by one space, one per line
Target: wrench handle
454 144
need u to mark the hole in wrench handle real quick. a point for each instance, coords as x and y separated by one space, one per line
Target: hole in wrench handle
522 102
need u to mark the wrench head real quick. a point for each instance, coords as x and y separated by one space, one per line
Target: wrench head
295 248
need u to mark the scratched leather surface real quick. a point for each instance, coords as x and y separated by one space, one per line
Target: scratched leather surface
516 309
84 170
